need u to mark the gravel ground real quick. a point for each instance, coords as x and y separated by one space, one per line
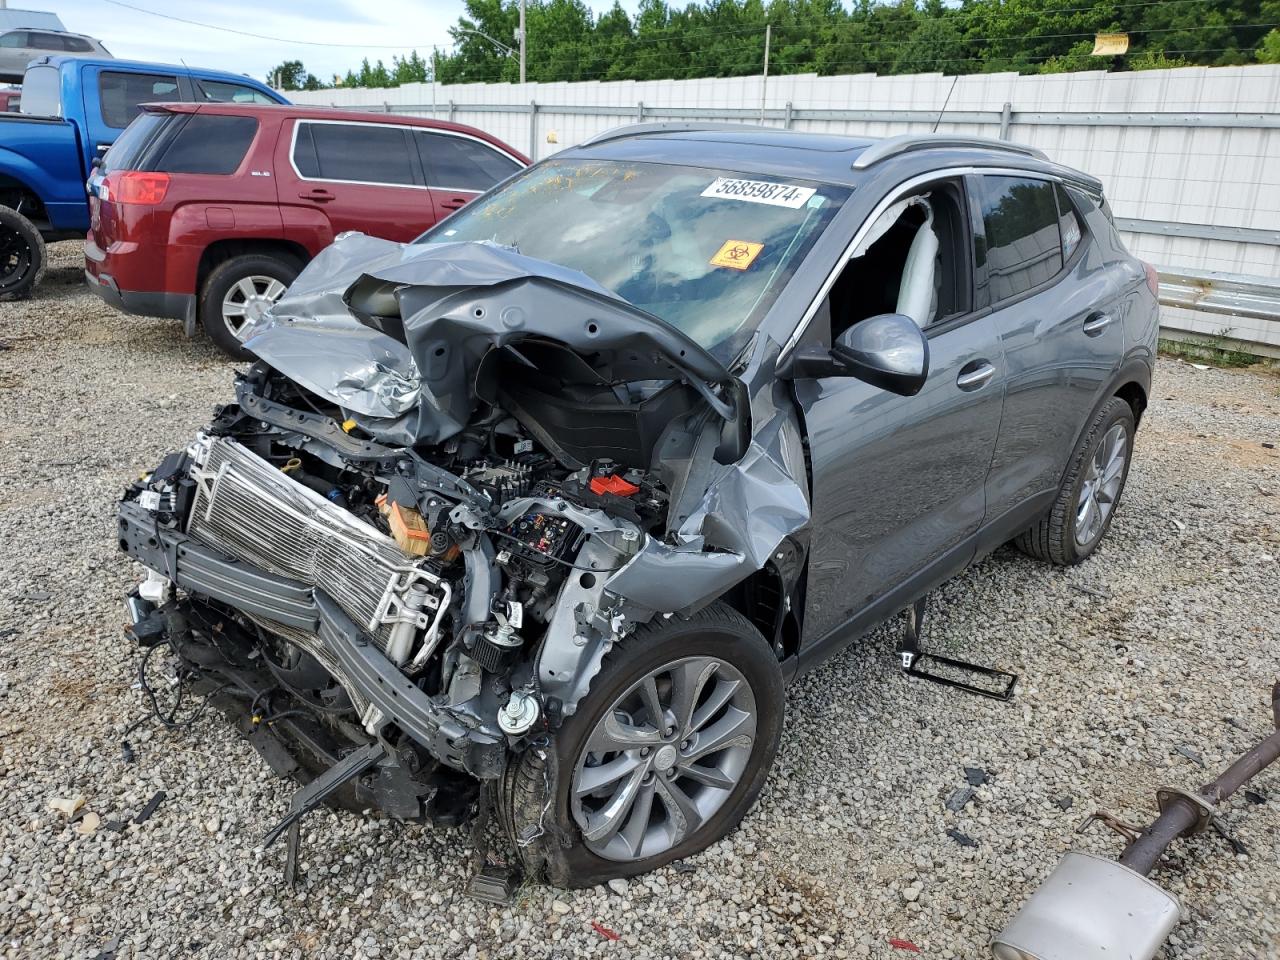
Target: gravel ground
1157 653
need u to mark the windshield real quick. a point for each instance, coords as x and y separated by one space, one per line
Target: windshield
706 250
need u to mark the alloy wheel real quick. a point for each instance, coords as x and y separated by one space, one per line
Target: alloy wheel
1101 486
247 301
663 758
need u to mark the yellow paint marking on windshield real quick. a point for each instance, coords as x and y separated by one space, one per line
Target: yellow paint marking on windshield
737 254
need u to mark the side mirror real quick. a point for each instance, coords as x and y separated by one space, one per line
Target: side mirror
889 351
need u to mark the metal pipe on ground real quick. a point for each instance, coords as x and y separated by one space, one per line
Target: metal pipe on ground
1091 908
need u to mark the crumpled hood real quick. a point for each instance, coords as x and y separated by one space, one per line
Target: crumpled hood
398 332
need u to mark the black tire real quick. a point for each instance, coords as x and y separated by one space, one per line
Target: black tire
1053 538
547 835
22 255
223 278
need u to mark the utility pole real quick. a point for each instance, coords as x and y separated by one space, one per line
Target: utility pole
764 78
521 32
435 77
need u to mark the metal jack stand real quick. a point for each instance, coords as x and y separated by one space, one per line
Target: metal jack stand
314 794
912 656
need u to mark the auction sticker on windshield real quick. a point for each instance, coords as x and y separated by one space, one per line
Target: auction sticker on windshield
759 191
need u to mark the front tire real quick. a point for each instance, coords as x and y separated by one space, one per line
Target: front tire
1082 513
22 255
663 757
237 292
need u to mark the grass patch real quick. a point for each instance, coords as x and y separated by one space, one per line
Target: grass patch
1212 349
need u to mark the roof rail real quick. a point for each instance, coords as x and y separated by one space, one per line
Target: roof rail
892 146
644 129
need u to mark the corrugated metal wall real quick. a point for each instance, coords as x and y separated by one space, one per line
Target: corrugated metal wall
1190 157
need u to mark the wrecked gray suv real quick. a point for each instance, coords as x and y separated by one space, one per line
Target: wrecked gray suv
536 515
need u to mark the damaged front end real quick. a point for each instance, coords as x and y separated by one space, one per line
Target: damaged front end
456 479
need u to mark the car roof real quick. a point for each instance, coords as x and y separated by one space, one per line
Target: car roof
61 33
829 158
305 112
113 63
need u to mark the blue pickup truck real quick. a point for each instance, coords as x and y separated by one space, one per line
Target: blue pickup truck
72 110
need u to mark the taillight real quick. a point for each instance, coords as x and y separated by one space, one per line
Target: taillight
137 186
1153 279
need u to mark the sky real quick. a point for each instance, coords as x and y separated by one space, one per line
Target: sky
380 29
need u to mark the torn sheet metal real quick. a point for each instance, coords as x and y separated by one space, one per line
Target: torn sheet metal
397 333
748 509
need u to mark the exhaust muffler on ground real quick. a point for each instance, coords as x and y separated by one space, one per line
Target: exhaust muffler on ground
1092 908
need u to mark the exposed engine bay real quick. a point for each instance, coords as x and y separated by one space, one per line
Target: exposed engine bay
425 520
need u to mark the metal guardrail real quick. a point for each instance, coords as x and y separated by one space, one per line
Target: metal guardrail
1229 294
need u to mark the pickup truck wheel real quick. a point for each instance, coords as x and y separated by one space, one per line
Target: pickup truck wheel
663 757
1081 515
22 257
238 292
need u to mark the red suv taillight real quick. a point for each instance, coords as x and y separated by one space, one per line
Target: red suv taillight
1153 279
137 186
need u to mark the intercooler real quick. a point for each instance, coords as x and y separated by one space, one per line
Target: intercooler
253 511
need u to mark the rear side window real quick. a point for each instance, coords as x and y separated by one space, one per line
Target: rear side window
48 41
359 153
208 144
77 44
121 93
462 164
1023 244
219 91
41 92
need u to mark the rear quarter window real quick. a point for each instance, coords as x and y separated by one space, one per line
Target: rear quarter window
208 144
121 94
1023 241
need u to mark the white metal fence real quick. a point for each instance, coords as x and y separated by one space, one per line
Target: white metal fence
1190 157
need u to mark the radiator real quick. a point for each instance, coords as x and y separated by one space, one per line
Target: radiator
251 510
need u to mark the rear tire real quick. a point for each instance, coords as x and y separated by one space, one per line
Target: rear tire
1081 515
712 765
246 283
22 255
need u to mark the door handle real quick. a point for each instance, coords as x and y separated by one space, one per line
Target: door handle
1096 323
318 194
974 375
454 203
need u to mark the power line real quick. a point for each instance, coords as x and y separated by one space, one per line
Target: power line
261 36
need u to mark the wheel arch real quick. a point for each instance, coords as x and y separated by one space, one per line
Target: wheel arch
1135 394
21 198
220 251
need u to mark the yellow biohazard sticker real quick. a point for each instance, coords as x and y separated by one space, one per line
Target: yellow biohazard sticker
736 254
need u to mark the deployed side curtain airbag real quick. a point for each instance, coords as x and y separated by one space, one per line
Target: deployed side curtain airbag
917 292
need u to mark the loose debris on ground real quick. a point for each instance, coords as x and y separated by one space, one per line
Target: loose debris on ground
853 850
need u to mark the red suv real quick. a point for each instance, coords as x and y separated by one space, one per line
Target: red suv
207 212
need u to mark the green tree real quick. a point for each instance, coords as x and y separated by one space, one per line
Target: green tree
724 38
292 75
1269 49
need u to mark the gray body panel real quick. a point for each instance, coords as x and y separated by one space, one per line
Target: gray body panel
898 482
